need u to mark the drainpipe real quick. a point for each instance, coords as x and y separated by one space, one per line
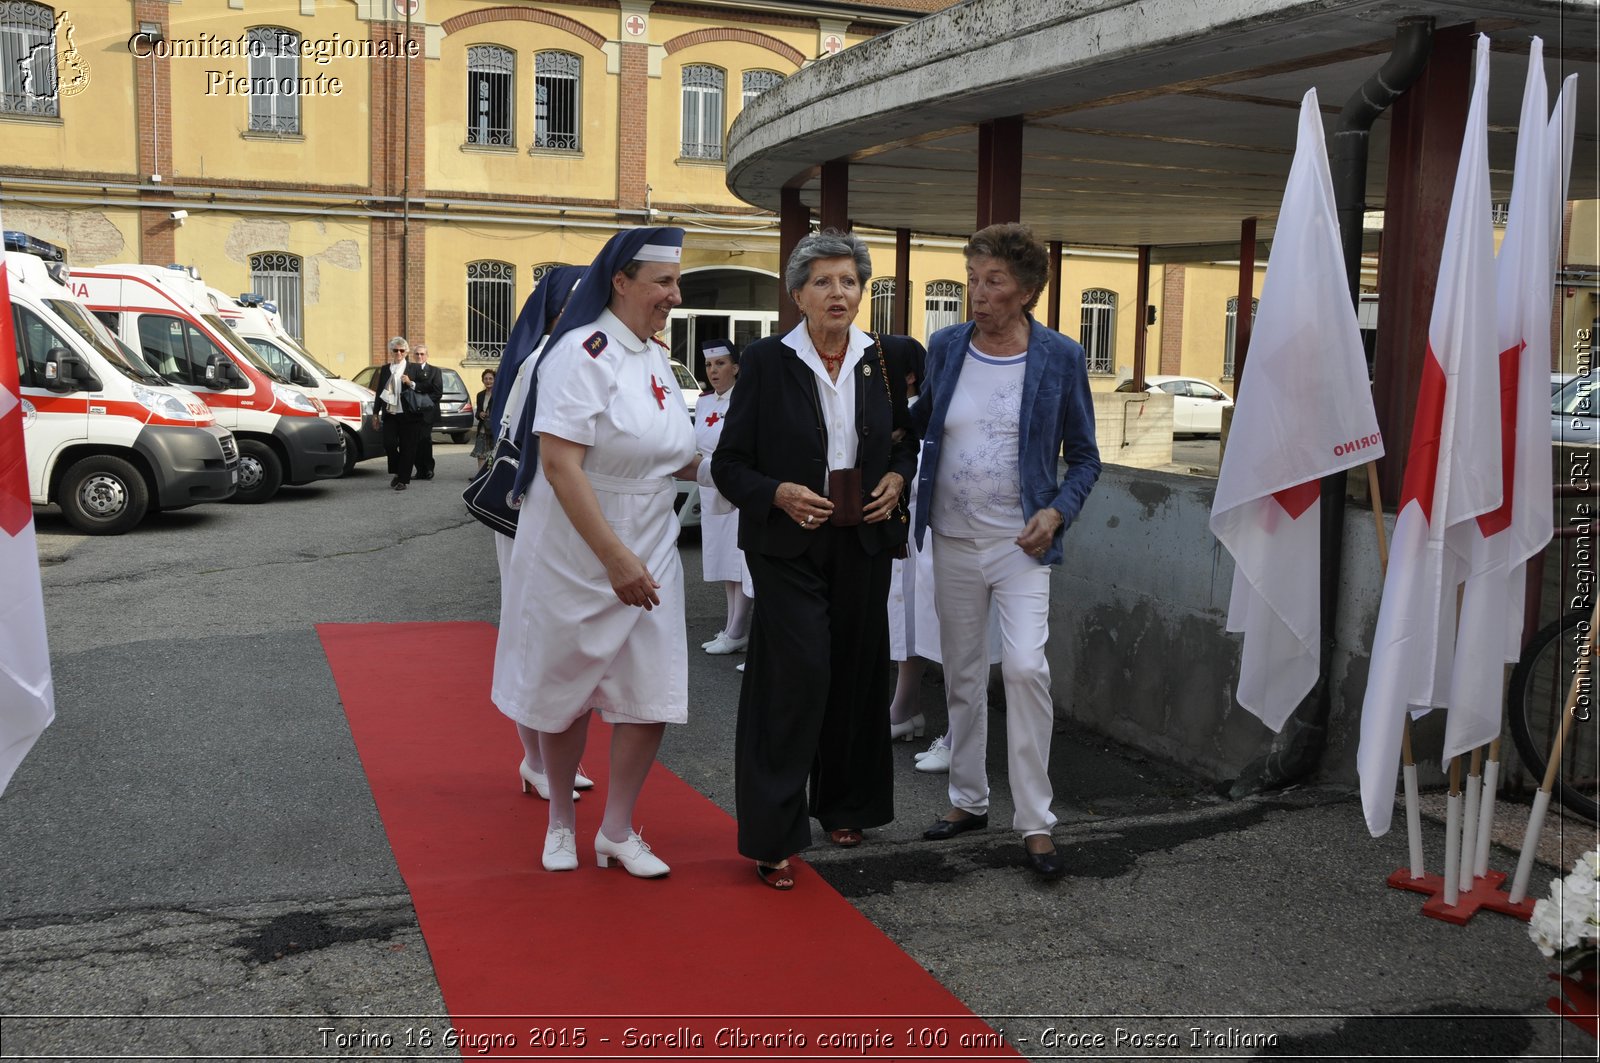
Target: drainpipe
1297 751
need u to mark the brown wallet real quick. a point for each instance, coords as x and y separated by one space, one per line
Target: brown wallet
844 491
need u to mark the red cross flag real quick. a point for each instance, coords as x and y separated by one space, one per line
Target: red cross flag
1452 476
1491 601
1304 412
27 697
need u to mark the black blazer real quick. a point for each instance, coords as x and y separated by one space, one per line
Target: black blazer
774 435
380 387
430 382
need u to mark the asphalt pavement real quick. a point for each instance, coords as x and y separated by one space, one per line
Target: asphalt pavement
194 867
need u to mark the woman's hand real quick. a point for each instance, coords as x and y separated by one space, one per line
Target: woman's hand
631 580
1040 530
691 470
885 497
804 506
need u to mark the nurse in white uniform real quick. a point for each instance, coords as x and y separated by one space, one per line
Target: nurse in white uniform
721 558
513 420
593 617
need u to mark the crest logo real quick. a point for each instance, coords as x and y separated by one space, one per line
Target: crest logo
52 68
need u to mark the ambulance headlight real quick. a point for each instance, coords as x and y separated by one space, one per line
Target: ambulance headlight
295 400
162 403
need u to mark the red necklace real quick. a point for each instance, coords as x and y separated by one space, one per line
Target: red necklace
832 362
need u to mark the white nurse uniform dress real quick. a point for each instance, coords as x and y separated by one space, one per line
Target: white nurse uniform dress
567 644
720 555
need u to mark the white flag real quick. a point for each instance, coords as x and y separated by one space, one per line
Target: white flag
1304 412
1491 602
27 697
1452 475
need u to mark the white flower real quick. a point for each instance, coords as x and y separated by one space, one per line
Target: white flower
1571 915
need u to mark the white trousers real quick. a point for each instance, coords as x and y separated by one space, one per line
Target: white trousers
969 575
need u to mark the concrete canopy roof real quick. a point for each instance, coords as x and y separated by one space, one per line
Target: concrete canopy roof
1163 122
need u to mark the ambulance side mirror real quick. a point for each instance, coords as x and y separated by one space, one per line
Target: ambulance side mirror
65 371
223 375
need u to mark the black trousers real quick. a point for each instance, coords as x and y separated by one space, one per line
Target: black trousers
424 458
400 443
814 707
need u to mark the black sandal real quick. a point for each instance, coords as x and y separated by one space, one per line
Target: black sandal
779 878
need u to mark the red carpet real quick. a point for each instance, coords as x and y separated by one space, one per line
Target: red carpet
709 961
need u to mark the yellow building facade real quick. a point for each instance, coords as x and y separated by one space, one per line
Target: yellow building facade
378 173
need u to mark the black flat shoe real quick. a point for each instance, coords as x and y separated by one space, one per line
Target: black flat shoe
944 829
1047 865
424 475
398 486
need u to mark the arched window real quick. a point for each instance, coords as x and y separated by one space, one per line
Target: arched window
758 81
944 302
491 83
557 77
1097 328
275 276
541 271
490 288
702 112
28 60
1230 333
883 304
274 80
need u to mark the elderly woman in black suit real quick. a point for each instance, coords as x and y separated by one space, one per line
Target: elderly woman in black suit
816 457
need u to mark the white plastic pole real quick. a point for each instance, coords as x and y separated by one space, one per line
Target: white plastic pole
1491 783
1452 849
1469 831
1530 845
1414 821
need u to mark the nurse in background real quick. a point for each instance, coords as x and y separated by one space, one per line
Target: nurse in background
720 555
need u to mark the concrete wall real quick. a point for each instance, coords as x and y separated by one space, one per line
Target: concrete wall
1137 646
1133 430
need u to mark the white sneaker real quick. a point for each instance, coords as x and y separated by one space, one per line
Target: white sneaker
935 761
942 742
633 854
713 640
726 644
560 849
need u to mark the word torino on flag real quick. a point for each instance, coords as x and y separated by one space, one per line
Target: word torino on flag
1452 476
1304 412
27 696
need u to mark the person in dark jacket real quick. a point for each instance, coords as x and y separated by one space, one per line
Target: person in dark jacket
430 383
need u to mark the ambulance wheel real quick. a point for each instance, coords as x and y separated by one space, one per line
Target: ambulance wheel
352 451
103 495
260 472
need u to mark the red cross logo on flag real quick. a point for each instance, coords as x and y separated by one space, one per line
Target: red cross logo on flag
659 391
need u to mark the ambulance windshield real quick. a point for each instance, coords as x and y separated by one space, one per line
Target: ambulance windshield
109 347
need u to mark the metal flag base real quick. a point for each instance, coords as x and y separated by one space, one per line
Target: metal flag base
1485 893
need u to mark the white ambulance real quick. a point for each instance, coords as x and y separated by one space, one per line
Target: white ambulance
164 313
106 438
257 321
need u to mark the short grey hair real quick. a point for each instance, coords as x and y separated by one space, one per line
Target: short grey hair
829 243
398 341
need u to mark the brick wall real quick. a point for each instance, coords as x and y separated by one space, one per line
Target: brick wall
1171 358
398 132
633 126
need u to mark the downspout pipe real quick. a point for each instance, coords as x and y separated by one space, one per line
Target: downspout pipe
1297 751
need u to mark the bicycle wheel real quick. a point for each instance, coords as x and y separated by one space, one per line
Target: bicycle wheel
1539 686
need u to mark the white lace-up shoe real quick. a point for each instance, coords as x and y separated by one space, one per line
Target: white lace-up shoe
634 855
937 758
560 849
726 644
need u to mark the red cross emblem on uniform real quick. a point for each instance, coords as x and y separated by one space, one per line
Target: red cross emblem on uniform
712 420
660 392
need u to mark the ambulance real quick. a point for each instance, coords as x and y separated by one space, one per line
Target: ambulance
256 320
106 438
164 313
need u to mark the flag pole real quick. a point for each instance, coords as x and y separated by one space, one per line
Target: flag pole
1452 836
1469 819
1408 762
1491 786
1541 800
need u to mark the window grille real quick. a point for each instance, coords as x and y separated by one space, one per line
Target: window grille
28 75
557 77
758 81
1097 328
275 275
490 288
702 112
883 304
1230 333
944 303
274 80
491 80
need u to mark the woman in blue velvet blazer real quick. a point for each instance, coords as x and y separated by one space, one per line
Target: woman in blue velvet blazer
1005 398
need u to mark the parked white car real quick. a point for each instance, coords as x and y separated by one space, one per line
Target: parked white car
1197 404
